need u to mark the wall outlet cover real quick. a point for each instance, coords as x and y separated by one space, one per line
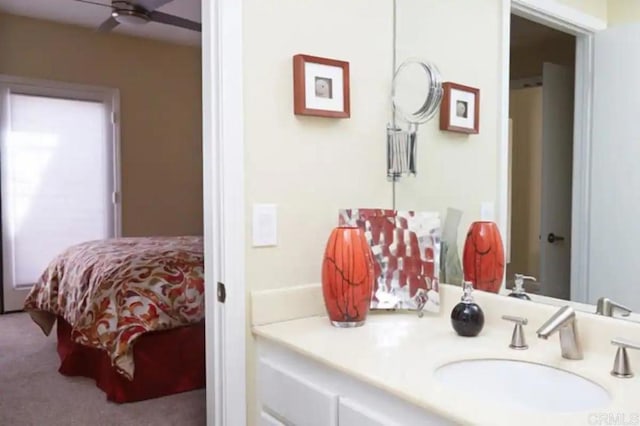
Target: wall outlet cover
265 225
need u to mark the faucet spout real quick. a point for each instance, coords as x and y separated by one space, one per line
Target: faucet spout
564 322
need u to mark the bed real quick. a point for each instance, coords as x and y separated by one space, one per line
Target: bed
129 313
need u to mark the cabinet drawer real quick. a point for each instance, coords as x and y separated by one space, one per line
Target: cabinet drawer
351 413
267 419
295 399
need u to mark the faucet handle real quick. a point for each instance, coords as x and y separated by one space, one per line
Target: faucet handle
516 319
606 306
525 277
518 340
624 343
621 365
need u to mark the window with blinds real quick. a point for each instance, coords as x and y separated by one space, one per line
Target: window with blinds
57 180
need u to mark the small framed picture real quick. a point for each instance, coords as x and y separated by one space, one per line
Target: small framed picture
320 87
460 110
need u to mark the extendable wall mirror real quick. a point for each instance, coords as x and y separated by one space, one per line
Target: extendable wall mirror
416 96
417 91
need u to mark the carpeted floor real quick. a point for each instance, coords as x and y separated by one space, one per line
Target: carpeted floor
32 392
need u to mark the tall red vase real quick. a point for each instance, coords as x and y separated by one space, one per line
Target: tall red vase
483 256
347 277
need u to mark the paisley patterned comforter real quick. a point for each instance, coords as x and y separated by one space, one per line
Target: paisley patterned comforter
113 291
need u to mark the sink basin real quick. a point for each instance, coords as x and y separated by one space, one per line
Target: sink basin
523 385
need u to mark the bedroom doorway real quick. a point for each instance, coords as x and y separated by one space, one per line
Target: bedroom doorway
182 146
59 175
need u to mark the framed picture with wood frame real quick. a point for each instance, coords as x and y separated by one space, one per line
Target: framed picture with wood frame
460 110
321 87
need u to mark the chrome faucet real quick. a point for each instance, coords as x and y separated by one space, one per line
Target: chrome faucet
517 337
606 307
621 365
563 321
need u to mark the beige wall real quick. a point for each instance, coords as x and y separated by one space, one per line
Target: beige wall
454 169
623 11
595 8
160 92
526 61
615 12
309 166
525 109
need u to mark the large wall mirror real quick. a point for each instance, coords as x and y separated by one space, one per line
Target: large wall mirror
564 185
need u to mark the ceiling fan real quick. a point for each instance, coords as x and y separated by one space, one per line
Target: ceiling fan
136 12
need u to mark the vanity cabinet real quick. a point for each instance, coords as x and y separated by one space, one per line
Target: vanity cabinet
290 396
294 390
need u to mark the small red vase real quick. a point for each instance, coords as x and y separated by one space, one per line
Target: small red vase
347 277
483 256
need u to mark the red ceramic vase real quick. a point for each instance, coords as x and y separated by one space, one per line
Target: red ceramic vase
483 256
347 277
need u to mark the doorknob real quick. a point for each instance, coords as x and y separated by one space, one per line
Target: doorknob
552 238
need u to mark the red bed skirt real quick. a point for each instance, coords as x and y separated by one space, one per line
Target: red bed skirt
166 362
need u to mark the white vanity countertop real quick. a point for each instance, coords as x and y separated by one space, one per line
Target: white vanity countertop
399 352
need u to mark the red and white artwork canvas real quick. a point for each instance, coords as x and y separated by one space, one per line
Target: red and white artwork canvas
406 249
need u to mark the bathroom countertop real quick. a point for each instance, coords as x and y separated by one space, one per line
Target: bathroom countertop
399 353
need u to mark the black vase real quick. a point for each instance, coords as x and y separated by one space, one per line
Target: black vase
467 319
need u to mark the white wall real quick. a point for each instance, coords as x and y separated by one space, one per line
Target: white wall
615 178
312 166
454 169
309 166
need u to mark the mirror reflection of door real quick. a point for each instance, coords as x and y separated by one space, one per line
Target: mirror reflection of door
557 167
541 110
615 176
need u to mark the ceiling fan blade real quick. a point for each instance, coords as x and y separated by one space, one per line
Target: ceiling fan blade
151 5
176 21
95 3
108 25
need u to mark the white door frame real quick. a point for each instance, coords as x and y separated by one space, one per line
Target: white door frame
583 26
223 167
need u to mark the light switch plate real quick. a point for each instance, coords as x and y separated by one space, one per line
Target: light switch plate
487 211
265 225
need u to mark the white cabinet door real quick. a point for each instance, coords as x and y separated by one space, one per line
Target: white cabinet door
294 399
296 391
351 413
267 419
